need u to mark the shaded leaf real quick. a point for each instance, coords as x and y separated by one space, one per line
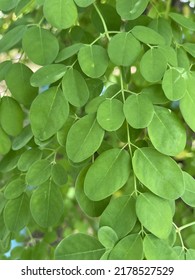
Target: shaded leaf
107 174
79 247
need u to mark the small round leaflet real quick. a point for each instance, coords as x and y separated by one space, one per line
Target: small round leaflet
138 110
93 60
84 138
110 114
166 132
131 10
123 49
159 173
153 65
153 211
20 88
61 14
75 88
174 84
40 45
107 174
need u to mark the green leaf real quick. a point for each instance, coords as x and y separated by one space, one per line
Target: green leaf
159 173
162 27
190 254
166 132
84 3
47 75
128 248
5 142
16 213
40 45
6 5
20 87
190 48
93 105
189 195
174 84
4 68
155 94
130 10
14 189
156 249
11 116
153 212
138 110
2 202
110 114
123 49
79 246
69 51
75 88
51 107
9 161
107 174
120 215
12 37
23 138
63 132
89 140
170 54
153 65
28 158
147 35
38 172
89 207
183 59
183 21
187 104
59 174
60 14
93 60
107 236
46 205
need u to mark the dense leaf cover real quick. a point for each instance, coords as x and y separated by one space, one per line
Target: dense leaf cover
97 122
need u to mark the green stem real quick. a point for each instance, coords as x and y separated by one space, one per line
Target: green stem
32 240
186 226
178 231
168 7
103 21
